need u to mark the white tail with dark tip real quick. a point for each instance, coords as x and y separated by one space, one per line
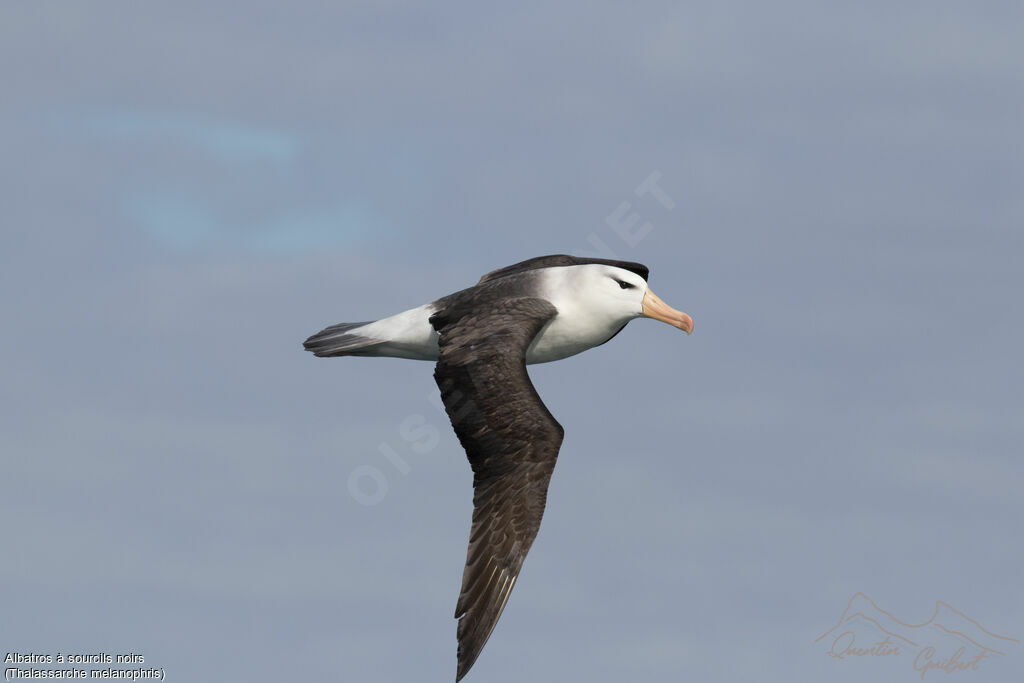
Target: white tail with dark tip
405 335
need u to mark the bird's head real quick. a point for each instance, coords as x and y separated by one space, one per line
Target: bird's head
624 294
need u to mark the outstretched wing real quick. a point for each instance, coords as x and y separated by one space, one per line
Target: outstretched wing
512 442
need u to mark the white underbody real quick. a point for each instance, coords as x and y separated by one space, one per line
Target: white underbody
578 326
410 335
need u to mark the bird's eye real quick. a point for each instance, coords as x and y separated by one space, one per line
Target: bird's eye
624 284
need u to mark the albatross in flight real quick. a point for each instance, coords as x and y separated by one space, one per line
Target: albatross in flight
482 338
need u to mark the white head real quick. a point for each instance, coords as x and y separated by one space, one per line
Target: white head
619 295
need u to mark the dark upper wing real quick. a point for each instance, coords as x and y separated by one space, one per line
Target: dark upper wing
562 260
512 442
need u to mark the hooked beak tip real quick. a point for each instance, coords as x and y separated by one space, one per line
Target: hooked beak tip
654 307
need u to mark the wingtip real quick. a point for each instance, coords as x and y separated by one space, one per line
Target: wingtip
462 668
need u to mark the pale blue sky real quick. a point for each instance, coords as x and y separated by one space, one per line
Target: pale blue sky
189 190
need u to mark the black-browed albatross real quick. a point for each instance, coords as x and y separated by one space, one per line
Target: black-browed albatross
483 337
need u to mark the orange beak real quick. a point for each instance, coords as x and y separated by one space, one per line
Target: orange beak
654 307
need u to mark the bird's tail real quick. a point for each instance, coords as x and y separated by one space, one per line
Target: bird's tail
343 339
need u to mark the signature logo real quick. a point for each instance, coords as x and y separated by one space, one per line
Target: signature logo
950 641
